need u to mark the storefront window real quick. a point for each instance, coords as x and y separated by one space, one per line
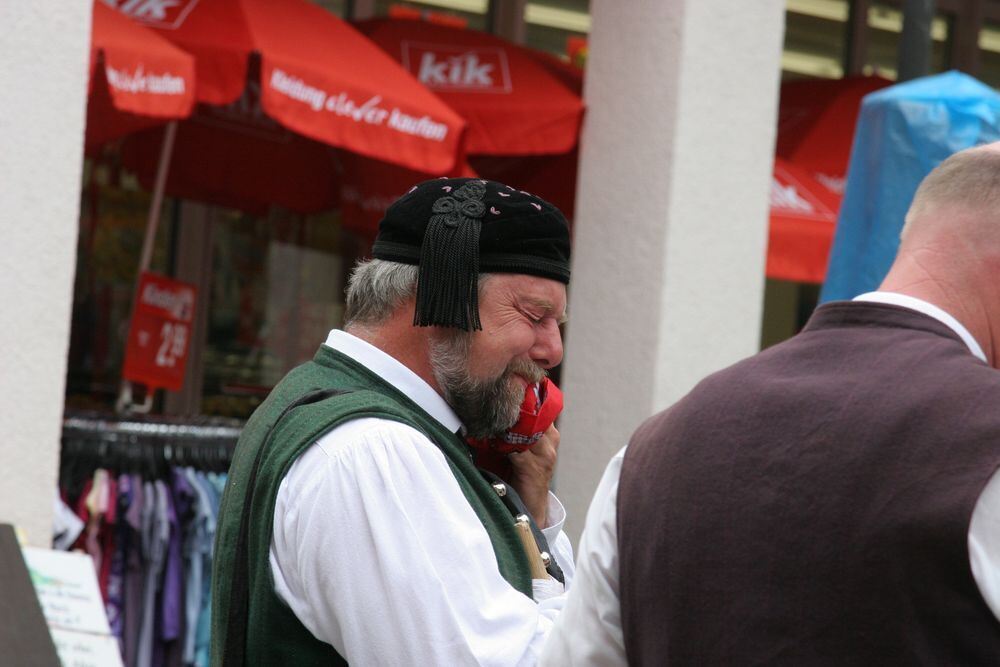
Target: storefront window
557 26
276 290
989 44
814 39
885 25
460 13
113 214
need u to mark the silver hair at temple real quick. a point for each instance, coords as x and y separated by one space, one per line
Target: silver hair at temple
377 287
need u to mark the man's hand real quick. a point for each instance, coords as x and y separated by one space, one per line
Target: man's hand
532 472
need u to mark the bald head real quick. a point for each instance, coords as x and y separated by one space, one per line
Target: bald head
964 187
949 254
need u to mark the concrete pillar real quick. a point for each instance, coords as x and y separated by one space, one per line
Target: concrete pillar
672 213
44 51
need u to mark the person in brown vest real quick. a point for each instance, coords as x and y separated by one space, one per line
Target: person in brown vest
832 500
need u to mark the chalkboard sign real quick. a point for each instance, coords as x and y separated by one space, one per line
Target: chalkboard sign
24 635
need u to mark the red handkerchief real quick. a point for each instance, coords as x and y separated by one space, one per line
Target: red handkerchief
542 404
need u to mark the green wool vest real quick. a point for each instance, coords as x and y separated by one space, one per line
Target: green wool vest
250 624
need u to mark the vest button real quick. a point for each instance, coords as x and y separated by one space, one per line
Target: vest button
546 558
501 489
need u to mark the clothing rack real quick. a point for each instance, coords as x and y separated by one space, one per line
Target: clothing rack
165 428
150 444
145 492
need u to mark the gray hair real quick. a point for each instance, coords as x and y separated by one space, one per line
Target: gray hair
377 287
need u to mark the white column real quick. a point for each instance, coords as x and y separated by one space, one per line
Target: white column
672 212
44 51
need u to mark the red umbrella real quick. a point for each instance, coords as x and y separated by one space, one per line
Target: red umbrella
523 108
816 119
552 177
137 78
570 75
367 187
514 105
803 218
239 157
317 75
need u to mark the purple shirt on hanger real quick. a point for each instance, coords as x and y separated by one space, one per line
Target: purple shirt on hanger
168 602
133 570
172 603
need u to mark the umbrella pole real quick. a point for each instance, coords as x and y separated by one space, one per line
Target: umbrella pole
124 402
153 219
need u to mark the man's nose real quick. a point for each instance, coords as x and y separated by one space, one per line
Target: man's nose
548 350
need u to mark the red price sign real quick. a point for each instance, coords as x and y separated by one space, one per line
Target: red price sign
159 336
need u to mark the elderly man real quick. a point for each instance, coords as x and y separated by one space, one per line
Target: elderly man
355 526
832 500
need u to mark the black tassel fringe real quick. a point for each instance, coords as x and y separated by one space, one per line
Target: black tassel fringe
448 284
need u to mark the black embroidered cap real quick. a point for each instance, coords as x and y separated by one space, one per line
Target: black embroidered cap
456 228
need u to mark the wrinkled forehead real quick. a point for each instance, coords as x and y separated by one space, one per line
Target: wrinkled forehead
543 293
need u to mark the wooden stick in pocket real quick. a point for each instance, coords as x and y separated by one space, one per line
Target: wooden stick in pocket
530 548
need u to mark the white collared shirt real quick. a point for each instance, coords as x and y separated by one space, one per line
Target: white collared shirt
377 552
929 309
589 630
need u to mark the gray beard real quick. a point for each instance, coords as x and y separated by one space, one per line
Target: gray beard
487 407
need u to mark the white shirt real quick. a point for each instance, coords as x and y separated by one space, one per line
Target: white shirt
377 552
589 630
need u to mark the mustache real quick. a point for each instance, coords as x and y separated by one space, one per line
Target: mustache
529 370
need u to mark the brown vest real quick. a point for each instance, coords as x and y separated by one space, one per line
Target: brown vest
810 505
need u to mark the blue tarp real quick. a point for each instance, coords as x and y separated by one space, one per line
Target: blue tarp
903 132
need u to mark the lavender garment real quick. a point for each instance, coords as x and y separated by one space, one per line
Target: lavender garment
197 559
134 570
171 619
155 541
144 656
169 624
173 603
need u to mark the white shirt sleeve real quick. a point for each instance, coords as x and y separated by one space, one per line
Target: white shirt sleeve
559 544
376 550
984 544
589 629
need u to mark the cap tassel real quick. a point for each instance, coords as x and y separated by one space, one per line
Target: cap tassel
448 282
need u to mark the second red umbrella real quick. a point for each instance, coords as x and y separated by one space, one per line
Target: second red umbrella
513 104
